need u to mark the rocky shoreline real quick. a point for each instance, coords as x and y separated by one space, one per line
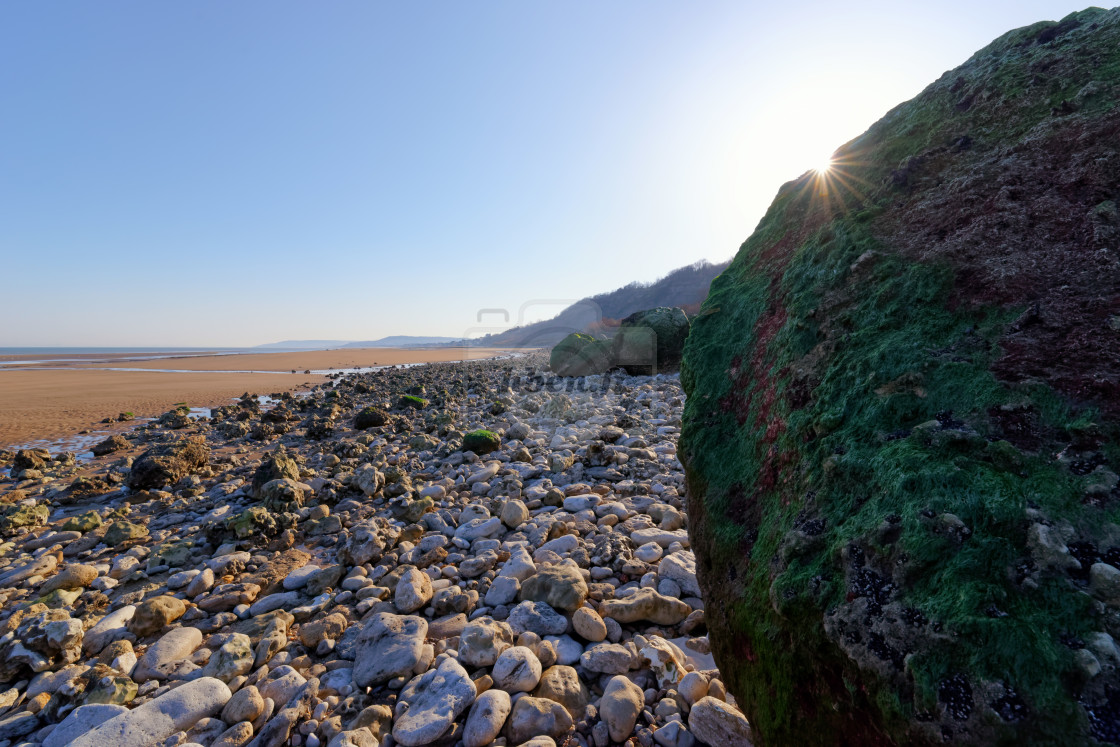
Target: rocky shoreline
338 570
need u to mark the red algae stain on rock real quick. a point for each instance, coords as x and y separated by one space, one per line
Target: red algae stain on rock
902 433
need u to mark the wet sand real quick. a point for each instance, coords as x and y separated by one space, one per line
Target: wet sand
51 404
313 360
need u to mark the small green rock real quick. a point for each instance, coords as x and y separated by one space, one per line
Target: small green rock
111 690
284 494
60 598
173 554
411 401
256 520
324 525
24 516
481 442
122 531
233 659
274 467
86 522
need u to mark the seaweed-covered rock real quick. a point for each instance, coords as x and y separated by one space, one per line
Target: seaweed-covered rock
30 459
482 442
258 521
903 418
370 417
110 445
122 531
173 554
320 427
284 494
276 466
85 522
412 402
88 487
650 341
177 418
168 463
17 516
580 355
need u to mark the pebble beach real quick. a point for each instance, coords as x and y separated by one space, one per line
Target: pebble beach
462 553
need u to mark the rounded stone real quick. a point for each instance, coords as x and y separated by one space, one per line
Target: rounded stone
692 687
430 703
715 722
619 707
155 614
517 670
589 625
562 684
561 586
247 704
487 717
514 513
482 641
532 717
414 590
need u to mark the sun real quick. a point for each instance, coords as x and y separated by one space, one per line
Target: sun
823 166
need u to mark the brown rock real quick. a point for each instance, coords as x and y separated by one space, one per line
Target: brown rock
228 596
247 704
332 626
533 717
271 575
562 685
155 614
73 576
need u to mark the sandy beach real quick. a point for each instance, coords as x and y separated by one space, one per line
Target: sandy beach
72 396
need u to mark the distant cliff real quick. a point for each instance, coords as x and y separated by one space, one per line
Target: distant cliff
685 287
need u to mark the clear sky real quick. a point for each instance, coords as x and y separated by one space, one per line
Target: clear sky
235 173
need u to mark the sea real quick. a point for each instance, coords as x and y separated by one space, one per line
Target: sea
114 351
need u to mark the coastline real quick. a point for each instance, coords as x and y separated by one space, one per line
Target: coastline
55 402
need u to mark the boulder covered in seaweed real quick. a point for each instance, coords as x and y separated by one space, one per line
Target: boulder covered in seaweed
902 432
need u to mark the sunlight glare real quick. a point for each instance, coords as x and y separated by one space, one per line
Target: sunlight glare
824 166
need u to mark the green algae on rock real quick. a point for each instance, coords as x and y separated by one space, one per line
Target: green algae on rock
166 464
16 517
651 341
370 417
482 441
412 402
275 466
902 430
580 355
121 531
646 342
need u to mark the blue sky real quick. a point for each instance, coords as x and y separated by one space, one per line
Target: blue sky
215 173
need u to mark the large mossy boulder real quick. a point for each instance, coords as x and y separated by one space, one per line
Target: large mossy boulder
902 433
580 355
651 341
646 342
